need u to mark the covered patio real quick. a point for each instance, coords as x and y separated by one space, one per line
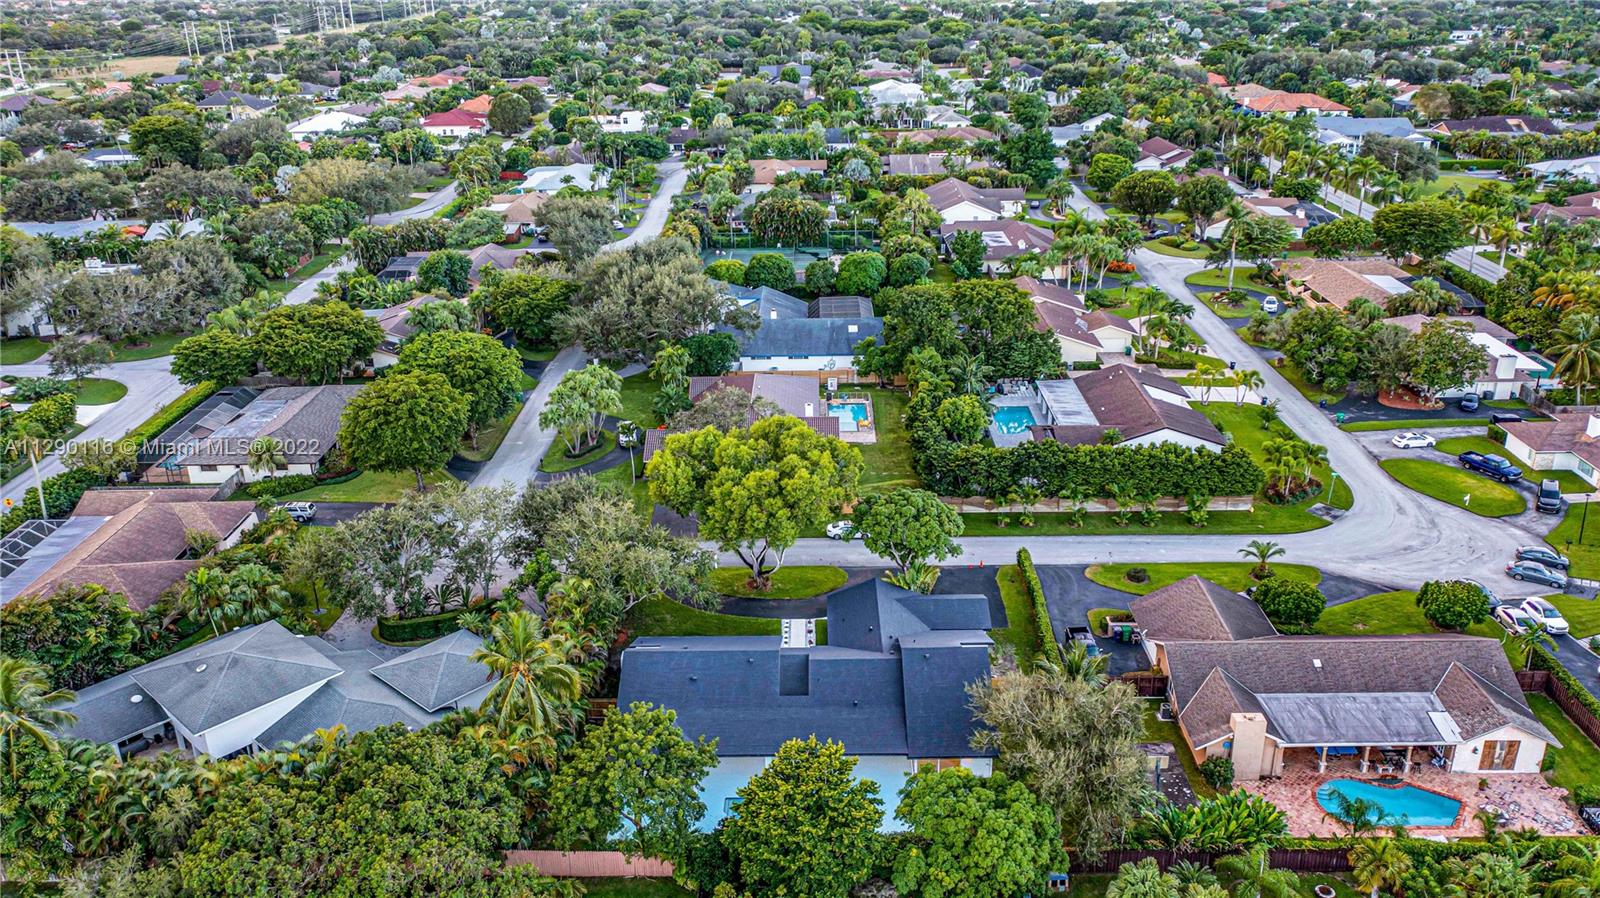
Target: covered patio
1385 733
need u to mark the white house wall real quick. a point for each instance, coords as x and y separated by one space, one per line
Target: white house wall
797 363
966 211
229 736
248 475
1530 754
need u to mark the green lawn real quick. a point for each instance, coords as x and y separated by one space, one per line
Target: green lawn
99 391
1167 731
1582 614
637 887
1577 762
21 350
313 265
887 463
556 461
1244 276
1445 181
368 486
637 487
1408 423
1297 379
1585 553
1234 575
490 438
942 273
664 617
1569 480
1156 246
1244 424
1394 613
1479 495
795 582
153 348
638 392
1019 632
536 354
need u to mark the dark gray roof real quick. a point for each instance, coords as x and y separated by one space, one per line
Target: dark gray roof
839 307
439 673
222 678
305 420
225 98
355 699
809 336
891 681
1196 608
1349 126
107 712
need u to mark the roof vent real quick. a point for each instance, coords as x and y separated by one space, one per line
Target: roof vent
200 668
1317 663
693 678
136 698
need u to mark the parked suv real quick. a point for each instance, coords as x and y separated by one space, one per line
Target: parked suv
1468 403
1490 465
1550 501
301 512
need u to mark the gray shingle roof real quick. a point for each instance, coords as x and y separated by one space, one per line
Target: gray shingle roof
891 681
439 673
355 699
304 419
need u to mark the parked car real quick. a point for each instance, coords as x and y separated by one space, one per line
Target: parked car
1550 501
1538 573
1271 306
1547 614
1490 465
1544 555
1494 600
1085 636
845 530
1033 204
1468 403
1513 618
301 512
1413 440
1503 417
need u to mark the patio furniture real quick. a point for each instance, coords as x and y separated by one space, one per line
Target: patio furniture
1385 769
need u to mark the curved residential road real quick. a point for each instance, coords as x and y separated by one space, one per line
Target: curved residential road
1391 535
151 385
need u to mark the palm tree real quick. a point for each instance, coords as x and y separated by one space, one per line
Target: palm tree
266 455
1505 234
30 440
1577 349
207 596
535 682
1478 219
1378 864
1530 637
257 591
1142 880
1079 666
1255 878
1235 212
1580 874
27 708
1245 380
1360 172
1262 552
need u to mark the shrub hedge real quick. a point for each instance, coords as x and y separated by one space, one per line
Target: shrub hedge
61 495
416 629
171 412
1044 631
1543 660
952 469
273 487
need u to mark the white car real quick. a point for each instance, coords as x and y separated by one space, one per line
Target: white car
845 530
1547 614
1513 618
1270 305
1413 440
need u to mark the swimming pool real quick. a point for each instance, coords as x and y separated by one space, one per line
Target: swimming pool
1407 804
1013 419
850 414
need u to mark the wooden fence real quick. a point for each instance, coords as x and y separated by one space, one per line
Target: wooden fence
1581 716
1300 860
589 864
1147 685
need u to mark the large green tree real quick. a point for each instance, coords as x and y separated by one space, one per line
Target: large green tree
1426 228
579 225
215 355
78 634
635 775
908 526
404 422
478 366
806 825
315 342
756 490
1202 197
973 837
579 404
634 299
509 113
529 304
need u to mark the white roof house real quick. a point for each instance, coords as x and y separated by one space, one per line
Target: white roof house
329 122
628 121
551 178
1586 167
893 91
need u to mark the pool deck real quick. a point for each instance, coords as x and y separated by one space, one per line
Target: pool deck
1526 798
865 430
1014 400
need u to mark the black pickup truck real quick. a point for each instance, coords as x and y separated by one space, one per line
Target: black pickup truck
1490 466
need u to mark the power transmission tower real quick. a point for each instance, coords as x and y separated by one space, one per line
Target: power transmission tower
225 36
191 40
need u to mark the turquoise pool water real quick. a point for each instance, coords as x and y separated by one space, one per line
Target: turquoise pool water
1413 806
854 410
1013 419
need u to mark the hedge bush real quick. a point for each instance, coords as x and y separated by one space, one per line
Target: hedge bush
54 414
170 413
1044 631
33 389
273 487
416 629
1543 660
1168 469
61 495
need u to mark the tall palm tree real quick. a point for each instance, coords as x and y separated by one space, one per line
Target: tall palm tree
1235 213
1505 234
1577 349
28 708
1255 878
535 681
257 591
266 455
1478 219
207 596
1245 380
1080 666
1262 552
1361 171
1526 640
30 440
1378 864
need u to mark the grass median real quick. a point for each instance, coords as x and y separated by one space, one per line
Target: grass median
1476 494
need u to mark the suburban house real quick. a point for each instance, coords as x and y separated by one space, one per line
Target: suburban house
965 133
1004 239
928 164
1269 702
1508 368
313 91
551 178
894 92
109 157
304 421
1083 334
890 685
129 540
956 200
261 686
1566 441
404 93
396 330
1586 168
1160 154
1511 125
774 73
794 335
1143 407
11 107
520 210
1061 135
1255 100
1297 214
1338 282
1577 207
238 106
628 121
765 172
454 124
402 268
1347 132
330 122
947 117
678 139
478 105
796 395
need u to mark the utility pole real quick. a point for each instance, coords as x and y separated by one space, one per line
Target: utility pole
225 36
191 40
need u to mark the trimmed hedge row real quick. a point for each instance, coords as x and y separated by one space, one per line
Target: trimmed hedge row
415 629
170 413
1044 631
1543 660
273 487
61 495
1471 164
1168 469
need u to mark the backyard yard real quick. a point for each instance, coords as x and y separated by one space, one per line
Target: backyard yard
1576 764
1393 613
664 617
368 486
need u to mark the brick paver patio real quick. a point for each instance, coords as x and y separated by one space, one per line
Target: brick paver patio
1524 800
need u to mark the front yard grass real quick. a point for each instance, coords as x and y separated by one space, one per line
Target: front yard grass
1244 276
153 348
1019 631
1479 495
489 438
21 350
1582 614
99 391
1156 246
1396 613
1409 423
536 353
1156 730
638 392
368 486
1584 553
556 460
1570 482
1576 764
794 582
1234 575
313 266
1244 424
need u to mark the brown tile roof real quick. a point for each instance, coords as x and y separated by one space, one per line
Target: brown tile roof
954 191
1293 102
1053 292
1196 608
1340 281
1564 432
1118 397
766 171
1019 237
928 163
961 132
1067 321
520 208
790 392
1164 151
